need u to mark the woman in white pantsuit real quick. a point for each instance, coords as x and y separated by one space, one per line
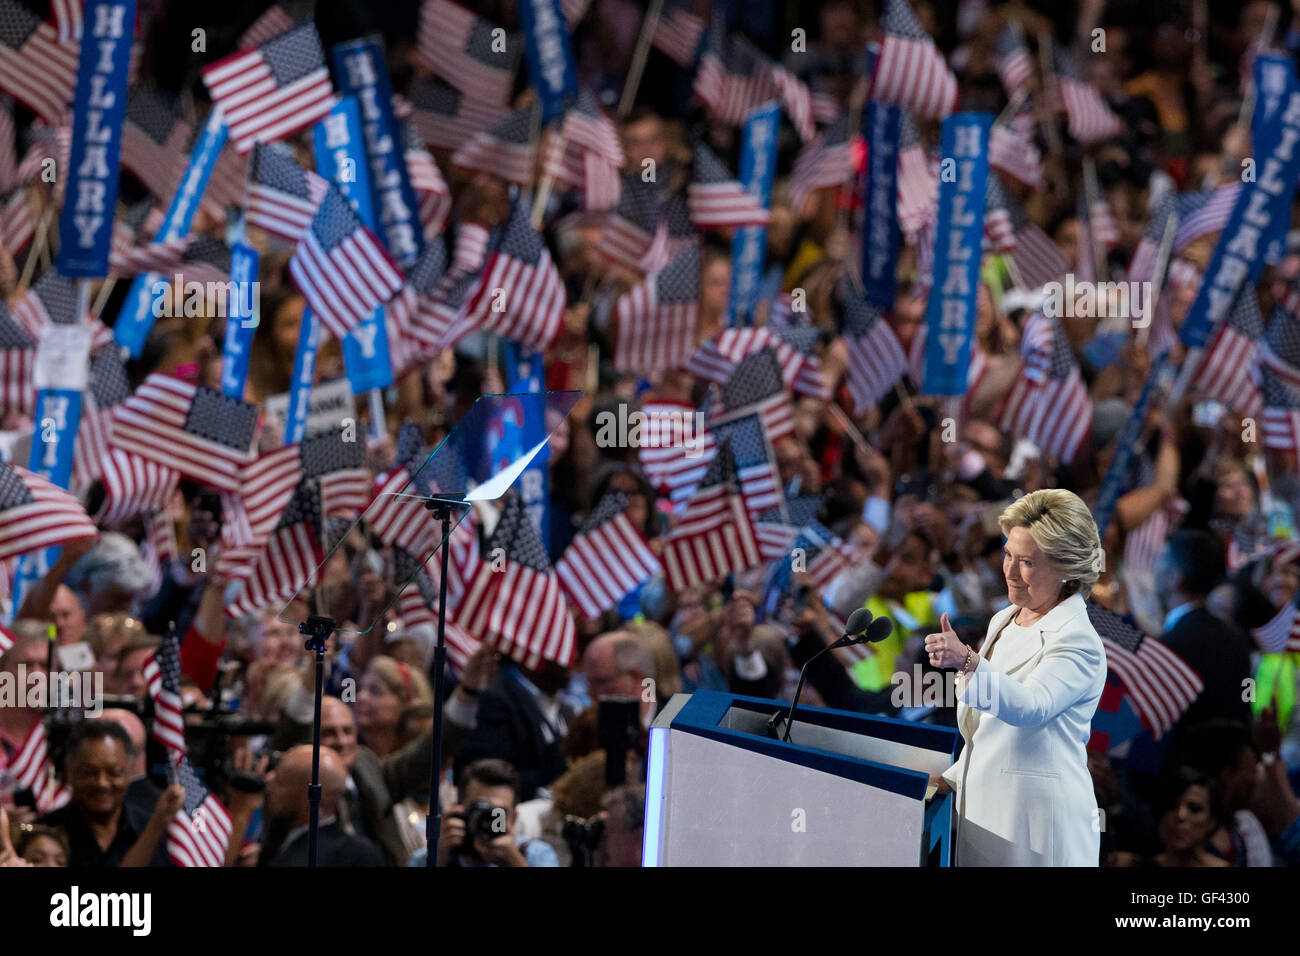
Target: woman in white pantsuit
1023 795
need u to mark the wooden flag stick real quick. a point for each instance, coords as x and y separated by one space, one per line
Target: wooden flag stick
593 368
1013 270
1050 127
846 423
1092 195
1264 42
1011 107
547 182
639 56
101 300
1158 275
38 246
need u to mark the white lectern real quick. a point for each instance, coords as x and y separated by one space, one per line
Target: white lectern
848 790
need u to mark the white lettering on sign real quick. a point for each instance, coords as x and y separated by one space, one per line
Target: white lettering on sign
97 131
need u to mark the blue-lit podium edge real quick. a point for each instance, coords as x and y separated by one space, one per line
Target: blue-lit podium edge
703 714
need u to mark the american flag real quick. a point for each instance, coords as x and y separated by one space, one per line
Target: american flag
17 222
607 559
8 146
587 154
1159 683
1204 212
918 179
717 200
1226 370
394 516
521 296
1089 118
1039 259
268 483
272 91
634 236
17 361
825 556
715 536
191 429
67 19
717 359
228 183
735 77
655 321
134 485
520 611
419 599
431 189
1103 223
667 428
825 107
1143 544
756 385
1279 370
505 150
35 514
1016 155
32 769
160 546
35 67
1014 65
107 387
760 481
677 34
419 316
200 832
341 267
154 138
911 72
53 300
825 163
205 259
1281 633
278 19
1049 402
282 196
876 358
999 232
161 255
290 557
1142 266
457 45
448 118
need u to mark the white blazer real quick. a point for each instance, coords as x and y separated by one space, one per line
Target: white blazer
1022 792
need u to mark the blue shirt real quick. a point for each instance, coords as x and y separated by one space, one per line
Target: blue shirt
536 852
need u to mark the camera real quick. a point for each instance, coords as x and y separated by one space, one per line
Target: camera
480 822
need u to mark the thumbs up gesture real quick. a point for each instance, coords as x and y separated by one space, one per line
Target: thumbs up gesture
945 649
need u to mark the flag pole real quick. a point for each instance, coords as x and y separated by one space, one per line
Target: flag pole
1013 270
639 56
1158 275
101 298
1264 42
1050 127
1092 194
38 245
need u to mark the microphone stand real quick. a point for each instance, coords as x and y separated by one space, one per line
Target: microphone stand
441 511
846 641
317 631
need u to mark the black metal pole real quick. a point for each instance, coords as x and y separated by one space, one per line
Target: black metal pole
317 630
433 822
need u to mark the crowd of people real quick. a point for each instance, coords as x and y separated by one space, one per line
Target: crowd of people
1201 553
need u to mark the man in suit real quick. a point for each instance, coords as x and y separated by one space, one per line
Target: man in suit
288 815
1190 567
522 719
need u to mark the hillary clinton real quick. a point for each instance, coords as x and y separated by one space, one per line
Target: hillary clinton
1023 795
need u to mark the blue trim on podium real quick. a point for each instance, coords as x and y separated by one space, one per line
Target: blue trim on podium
938 831
705 711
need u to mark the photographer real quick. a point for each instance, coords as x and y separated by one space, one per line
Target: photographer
480 829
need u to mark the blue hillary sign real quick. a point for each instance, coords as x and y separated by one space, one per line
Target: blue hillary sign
90 202
304 371
950 313
524 373
749 247
361 71
1274 77
880 130
58 415
550 56
341 158
241 319
136 317
1263 207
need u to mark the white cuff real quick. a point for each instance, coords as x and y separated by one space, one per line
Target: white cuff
751 666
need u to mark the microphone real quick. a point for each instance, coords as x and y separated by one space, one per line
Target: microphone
857 630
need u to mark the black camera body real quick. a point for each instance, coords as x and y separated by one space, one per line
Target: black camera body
480 818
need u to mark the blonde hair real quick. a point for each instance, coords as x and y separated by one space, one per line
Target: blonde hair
1062 526
408 683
